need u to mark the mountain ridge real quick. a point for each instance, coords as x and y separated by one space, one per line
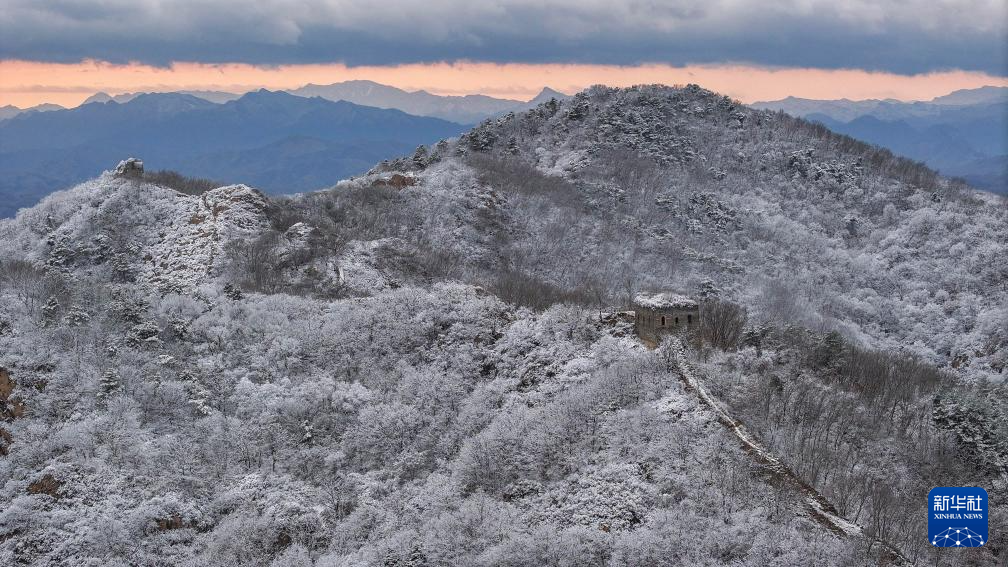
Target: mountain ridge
10 111
465 109
433 362
40 152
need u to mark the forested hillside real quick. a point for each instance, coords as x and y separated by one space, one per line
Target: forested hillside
428 364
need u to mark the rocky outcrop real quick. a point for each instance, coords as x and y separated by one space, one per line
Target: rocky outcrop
48 484
10 407
191 248
5 442
397 181
130 167
173 522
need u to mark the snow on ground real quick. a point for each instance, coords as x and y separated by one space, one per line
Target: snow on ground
358 269
665 300
190 248
815 501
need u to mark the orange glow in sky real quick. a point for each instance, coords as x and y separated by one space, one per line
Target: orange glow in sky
25 83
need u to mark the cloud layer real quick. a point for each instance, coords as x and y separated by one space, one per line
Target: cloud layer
25 83
901 36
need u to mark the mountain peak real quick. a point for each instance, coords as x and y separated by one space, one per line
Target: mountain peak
100 97
9 111
104 97
162 103
266 94
547 94
44 107
272 99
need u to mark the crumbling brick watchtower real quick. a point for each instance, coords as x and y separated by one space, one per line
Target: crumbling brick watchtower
661 313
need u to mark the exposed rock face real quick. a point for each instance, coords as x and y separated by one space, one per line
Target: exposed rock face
298 232
6 385
397 181
45 485
173 522
190 249
130 167
9 408
358 268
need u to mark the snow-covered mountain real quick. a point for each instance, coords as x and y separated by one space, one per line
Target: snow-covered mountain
431 364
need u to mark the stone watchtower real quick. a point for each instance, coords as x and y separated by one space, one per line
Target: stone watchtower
661 313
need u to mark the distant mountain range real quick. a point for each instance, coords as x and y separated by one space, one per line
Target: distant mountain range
963 134
219 97
276 141
468 109
10 111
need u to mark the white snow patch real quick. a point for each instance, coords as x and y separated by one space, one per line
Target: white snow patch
357 269
665 300
190 248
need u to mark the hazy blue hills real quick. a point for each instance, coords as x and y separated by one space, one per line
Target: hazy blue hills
212 96
10 111
276 141
963 134
468 109
940 145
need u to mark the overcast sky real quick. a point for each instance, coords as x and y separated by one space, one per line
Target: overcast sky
903 37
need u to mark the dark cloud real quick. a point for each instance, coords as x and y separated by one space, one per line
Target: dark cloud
904 36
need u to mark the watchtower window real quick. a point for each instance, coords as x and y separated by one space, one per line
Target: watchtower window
663 321
676 320
689 319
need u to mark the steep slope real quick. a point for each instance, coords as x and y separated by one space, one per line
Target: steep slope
426 364
44 152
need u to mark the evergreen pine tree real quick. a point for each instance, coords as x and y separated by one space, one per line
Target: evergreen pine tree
108 385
